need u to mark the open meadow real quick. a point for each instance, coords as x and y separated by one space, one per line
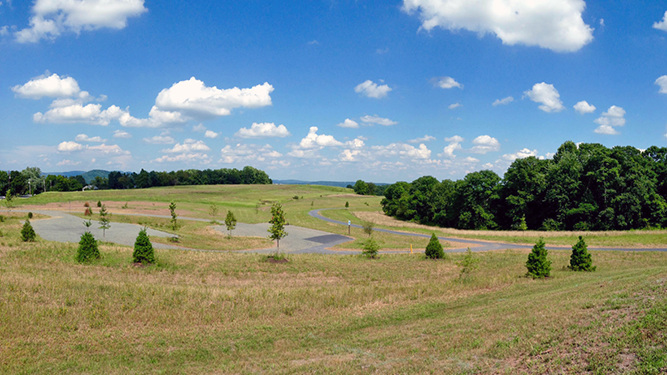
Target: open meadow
230 312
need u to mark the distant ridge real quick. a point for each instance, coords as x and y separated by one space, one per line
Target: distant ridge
324 183
88 176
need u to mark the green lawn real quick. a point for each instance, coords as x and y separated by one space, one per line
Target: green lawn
236 313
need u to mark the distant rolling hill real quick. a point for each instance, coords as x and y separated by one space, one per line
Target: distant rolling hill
88 176
324 183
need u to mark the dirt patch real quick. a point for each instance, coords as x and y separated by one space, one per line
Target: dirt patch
271 259
151 208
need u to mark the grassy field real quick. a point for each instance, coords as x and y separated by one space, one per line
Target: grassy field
237 313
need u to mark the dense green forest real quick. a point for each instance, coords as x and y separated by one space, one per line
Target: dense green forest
31 180
584 187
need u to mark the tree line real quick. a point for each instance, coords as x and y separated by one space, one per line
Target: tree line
584 187
32 181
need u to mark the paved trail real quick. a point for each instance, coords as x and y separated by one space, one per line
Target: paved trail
63 227
460 245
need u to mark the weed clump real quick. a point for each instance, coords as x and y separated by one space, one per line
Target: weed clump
434 248
538 265
469 264
581 259
27 233
143 249
88 249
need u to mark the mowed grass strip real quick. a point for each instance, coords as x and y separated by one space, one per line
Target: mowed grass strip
237 313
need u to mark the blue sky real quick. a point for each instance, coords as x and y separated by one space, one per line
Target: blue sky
326 90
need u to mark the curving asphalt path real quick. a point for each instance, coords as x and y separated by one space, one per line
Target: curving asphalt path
479 245
63 227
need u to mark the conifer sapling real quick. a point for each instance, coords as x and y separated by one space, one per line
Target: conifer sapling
143 249
581 259
434 248
538 265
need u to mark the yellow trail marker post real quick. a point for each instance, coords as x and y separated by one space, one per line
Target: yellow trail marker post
410 248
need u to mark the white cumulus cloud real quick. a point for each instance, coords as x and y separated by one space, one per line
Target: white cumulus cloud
68 162
211 134
403 150
121 134
248 153
375 119
425 138
372 90
662 25
547 95
188 145
454 144
186 157
583 107
263 130
455 105
662 82
314 140
85 138
53 86
89 114
503 101
69 146
484 144
160 140
553 24
349 124
614 117
194 99
51 18
446 83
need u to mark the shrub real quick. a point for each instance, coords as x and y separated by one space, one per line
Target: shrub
104 220
550 225
86 204
2 218
29 215
581 259
434 248
99 204
538 265
87 248
469 263
88 212
347 204
368 227
296 197
230 222
27 233
172 211
371 248
143 249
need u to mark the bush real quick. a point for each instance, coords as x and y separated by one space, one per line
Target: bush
371 248
87 248
581 259
27 233
86 204
434 248
550 225
29 215
2 218
99 204
368 227
538 265
347 204
469 263
143 249
88 212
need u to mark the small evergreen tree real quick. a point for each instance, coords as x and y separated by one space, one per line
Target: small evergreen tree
99 204
277 228
143 249
434 248
581 259
104 220
538 265
230 222
347 204
371 248
87 248
27 233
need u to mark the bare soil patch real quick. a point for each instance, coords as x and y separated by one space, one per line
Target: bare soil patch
135 207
